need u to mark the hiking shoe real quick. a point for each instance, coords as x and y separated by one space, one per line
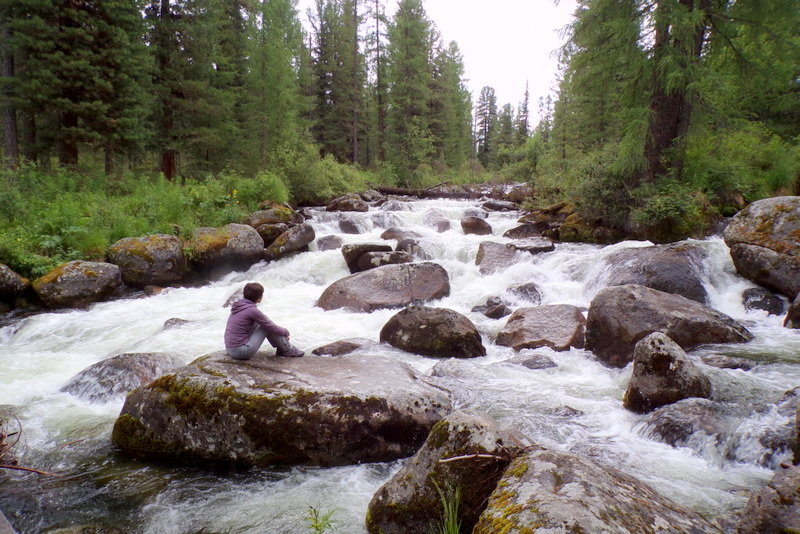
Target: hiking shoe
293 352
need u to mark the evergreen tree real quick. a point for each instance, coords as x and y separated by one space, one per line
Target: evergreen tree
523 119
377 90
408 136
503 138
450 108
485 124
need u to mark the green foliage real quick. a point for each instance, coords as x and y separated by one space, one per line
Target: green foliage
319 522
667 211
450 499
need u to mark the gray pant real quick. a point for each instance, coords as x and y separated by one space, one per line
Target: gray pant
246 351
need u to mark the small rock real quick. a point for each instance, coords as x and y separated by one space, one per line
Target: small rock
436 220
533 361
476 226
758 298
353 252
343 346
329 242
493 309
350 202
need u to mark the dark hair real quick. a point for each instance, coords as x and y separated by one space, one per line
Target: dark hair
253 291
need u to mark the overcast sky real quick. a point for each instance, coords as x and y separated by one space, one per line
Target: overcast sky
503 42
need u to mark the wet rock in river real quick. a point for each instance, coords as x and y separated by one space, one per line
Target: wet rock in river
476 226
436 332
662 374
389 286
149 260
270 232
528 292
764 243
758 298
494 308
412 246
77 284
399 234
527 230
620 316
466 450
329 242
343 346
793 315
533 361
493 257
562 492
216 251
370 260
436 220
117 376
774 509
721 361
676 268
282 411
295 239
349 202
352 253
559 327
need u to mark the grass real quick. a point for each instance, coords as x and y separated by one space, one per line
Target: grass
450 499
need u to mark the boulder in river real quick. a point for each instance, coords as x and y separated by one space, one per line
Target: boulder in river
149 260
493 257
527 230
435 332
620 316
533 361
527 292
353 252
216 251
764 239
662 374
466 450
274 214
675 268
77 284
558 326
399 234
12 285
436 220
282 411
295 239
270 232
494 308
559 492
774 509
759 298
349 202
499 205
476 226
370 260
343 346
116 376
329 242
412 246
389 286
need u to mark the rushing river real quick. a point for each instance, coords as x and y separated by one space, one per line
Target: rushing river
97 486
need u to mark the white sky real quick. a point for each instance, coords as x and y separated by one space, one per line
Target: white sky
503 43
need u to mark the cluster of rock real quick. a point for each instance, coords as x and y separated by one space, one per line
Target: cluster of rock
360 407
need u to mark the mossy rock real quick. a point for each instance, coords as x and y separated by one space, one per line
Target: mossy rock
282 411
77 284
436 332
216 251
150 260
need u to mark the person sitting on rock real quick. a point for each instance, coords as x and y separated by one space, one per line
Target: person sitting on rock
248 327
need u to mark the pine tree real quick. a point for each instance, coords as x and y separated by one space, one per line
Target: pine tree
450 108
408 136
523 129
485 123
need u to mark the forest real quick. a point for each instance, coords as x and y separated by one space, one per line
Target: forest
127 117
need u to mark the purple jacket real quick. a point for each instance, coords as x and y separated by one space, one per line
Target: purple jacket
243 320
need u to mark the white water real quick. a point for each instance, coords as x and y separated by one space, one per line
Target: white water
66 435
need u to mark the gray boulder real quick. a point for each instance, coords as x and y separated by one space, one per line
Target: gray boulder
436 220
494 257
534 245
559 327
329 242
676 268
77 284
295 239
722 361
5 526
476 226
216 251
435 332
371 195
765 246
389 286
412 247
548 491
466 450
499 205
662 374
399 234
343 346
774 509
349 202
620 316
353 252
282 411
149 260
528 292
118 375
676 423
349 226
274 214
270 232
533 361
494 308
12 285
758 298
527 230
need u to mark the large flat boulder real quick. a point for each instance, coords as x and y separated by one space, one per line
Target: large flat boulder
435 332
149 260
282 411
675 268
774 509
764 239
388 286
77 284
557 326
548 491
620 316
466 450
662 374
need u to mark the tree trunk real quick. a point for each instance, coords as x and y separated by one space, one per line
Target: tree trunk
11 144
356 86
68 148
671 110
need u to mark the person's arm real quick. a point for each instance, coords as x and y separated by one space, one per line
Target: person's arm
267 323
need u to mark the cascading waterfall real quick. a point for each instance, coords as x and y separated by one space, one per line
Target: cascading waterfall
576 406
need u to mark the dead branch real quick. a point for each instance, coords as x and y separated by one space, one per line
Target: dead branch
472 457
28 469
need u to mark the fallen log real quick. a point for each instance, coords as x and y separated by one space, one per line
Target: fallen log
430 193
